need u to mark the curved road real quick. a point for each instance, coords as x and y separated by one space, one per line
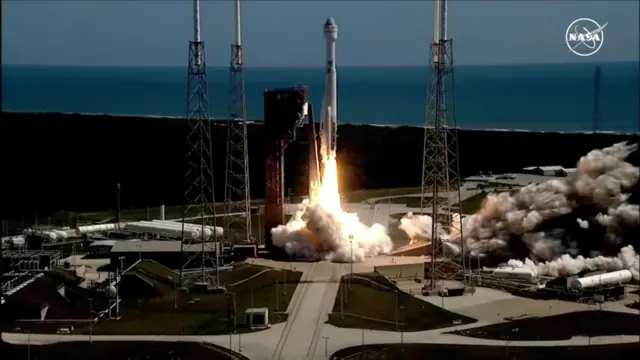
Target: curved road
259 346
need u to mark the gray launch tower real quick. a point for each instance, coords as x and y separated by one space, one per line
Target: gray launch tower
237 195
440 167
199 194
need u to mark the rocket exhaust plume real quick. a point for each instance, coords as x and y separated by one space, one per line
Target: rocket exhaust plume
320 229
561 226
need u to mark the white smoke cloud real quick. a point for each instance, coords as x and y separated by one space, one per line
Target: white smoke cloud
603 179
316 233
583 223
566 265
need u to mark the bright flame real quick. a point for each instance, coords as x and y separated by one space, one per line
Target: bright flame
328 195
321 230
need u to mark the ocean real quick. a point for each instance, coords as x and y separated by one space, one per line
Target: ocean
527 97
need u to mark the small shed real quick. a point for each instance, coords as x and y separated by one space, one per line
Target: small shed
257 318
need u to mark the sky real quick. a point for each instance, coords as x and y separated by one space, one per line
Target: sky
289 33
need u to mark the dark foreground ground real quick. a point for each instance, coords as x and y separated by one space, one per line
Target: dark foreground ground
361 312
465 352
107 350
560 327
74 162
150 305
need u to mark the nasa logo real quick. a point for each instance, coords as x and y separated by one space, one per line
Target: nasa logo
584 36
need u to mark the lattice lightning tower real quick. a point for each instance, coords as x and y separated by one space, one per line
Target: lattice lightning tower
200 265
237 206
440 168
596 100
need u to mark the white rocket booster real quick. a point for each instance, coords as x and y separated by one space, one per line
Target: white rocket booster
329 113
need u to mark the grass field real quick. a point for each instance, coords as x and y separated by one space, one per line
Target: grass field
560 327
468 352
380 314
162 310
125 350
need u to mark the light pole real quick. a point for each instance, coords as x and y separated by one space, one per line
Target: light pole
29 346
341 300
90 320
284 283
118 218
402 333
397 321
326 346
351 262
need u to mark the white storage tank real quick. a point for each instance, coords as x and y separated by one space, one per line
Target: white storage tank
87 229
170 232
606 279
515 273
208 228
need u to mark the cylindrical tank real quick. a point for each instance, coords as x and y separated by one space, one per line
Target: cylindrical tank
86 229
208 228
611 278
515 273
178 225
161 211
160 230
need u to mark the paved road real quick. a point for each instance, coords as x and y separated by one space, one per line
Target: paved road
259 346
301 334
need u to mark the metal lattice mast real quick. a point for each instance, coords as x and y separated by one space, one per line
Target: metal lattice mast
440 167
237 207
596 100
199 194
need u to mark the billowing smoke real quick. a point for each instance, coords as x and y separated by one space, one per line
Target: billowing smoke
507 223
321 230
566 265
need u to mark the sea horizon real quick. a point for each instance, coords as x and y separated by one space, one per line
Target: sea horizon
529 97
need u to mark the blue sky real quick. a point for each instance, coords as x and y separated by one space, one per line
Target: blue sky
289 33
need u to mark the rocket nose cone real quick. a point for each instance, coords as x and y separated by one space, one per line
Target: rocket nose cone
330 22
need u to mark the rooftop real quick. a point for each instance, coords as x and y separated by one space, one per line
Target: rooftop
103 243
159 246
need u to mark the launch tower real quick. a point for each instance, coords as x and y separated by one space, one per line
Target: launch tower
596 100
237 197
440 168
284 111
199 191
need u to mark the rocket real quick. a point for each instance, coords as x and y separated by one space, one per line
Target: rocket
329 113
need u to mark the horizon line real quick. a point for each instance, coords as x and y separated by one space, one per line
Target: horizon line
315 66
